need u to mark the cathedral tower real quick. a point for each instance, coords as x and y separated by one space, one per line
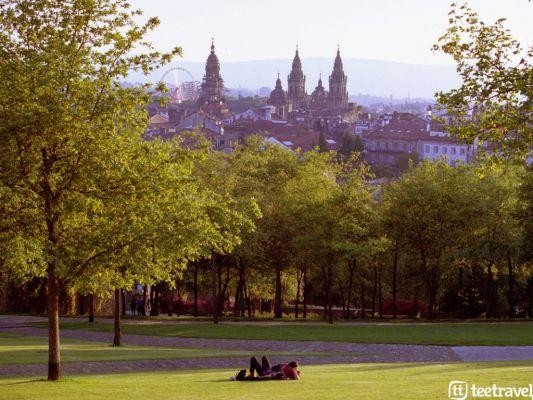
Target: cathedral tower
338 95
278 98
212 83
296 79
319 96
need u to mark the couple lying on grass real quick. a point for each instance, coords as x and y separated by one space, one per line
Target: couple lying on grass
265 371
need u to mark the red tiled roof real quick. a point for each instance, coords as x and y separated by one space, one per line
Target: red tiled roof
250 127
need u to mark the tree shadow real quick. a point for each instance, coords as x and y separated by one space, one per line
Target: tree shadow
23 382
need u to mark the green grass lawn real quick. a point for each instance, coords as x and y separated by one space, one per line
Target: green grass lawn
28 350
32 350
465 333
331 382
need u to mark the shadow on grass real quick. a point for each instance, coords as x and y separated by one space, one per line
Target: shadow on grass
24 382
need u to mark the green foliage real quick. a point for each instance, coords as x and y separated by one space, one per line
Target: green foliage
494 101
350 144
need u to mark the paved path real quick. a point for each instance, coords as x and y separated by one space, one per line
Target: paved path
493 353
347 352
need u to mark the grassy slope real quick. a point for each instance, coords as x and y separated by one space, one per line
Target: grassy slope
356 381
32 350
518 333
21 350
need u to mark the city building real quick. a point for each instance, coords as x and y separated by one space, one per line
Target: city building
406 133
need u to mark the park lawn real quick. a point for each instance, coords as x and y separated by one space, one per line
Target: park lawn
16 349
453 334
331 382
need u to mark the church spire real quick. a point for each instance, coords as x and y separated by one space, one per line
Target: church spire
278 83
297 96
338 95
212 83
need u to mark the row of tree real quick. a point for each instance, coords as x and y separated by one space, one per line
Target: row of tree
452 240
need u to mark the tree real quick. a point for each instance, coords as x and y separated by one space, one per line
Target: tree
350 144
65 129
494 101
330 210
322 143
497 237
436 206
262 171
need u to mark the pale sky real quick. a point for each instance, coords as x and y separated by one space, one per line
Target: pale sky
393 30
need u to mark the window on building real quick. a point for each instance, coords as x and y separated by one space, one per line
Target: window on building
462 151
396 145
436 149
427 148
444 150
452 150
387 145
405 146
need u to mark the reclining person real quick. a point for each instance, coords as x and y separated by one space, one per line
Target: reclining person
265 371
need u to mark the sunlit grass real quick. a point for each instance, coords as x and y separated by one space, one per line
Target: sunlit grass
331 382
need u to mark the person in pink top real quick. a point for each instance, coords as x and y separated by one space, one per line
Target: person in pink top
266 371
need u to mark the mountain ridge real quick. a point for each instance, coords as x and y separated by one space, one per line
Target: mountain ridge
376 77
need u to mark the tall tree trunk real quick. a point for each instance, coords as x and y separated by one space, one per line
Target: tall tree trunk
351 267
510 293
374 290
380 296
91 307
151 300
170 300
394 280
117 338
154 301
530 297
123 297
238 304
214 294
327 285
195 289
145 296
306 293
247 298
81 304
298 285
489 310
52 220
461 292
54 356
278 313
363 311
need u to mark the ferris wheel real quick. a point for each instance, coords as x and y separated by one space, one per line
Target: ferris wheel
182 84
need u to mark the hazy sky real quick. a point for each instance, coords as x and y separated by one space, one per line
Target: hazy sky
395 30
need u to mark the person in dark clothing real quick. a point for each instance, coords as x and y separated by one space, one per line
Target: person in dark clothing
265 371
